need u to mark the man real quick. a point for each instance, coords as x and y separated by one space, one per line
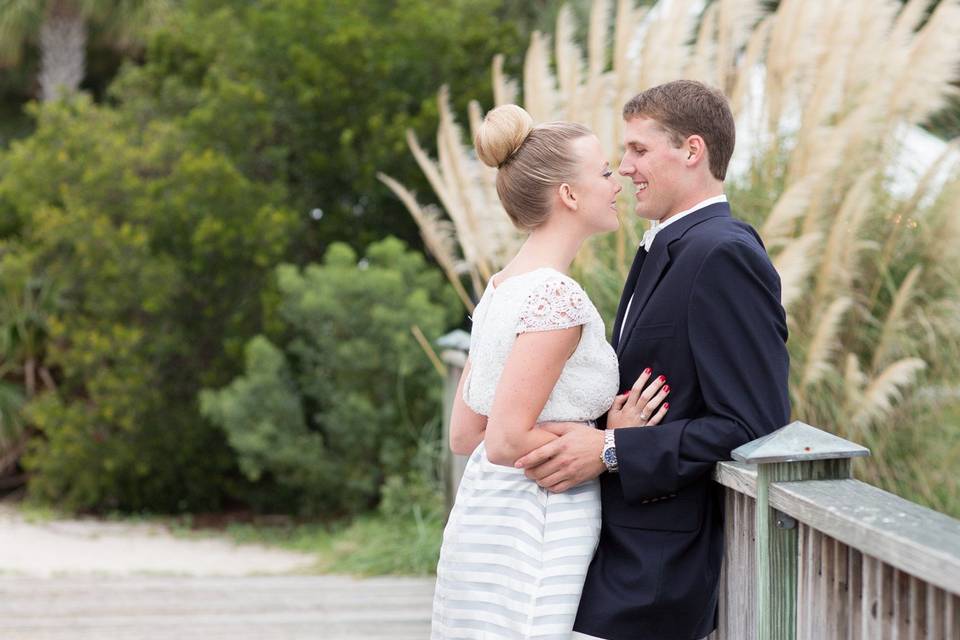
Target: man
701 306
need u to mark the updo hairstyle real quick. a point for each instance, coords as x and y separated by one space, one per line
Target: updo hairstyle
532 160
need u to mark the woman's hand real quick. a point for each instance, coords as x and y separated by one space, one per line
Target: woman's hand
642 406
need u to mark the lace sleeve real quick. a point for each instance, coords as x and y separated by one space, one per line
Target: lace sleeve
554 304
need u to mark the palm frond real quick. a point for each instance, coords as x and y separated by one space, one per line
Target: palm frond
749 66
735 22
597 40
437 235
925 82
667 28
458 170
885 390
794 264
839 266
570 64
790 207
895 315
823 344
539 85
504 87
703 63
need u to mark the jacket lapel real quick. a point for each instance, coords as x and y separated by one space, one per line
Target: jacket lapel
656 263
628 289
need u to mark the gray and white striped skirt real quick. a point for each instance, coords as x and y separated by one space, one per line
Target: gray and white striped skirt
514 556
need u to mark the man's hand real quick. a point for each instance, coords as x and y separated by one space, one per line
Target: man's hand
571 459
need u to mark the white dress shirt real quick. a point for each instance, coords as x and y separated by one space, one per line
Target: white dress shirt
657 226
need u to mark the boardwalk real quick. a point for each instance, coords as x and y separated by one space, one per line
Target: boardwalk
235 608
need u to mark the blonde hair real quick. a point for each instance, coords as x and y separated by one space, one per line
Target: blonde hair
531 160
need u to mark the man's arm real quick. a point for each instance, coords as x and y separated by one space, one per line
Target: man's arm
737 332
574 457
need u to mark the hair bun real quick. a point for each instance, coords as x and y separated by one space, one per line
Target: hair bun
501 133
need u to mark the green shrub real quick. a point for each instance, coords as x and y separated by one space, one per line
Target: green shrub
341 405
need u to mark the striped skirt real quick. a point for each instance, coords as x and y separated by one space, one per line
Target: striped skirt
514 556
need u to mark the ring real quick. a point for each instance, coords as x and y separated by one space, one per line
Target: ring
644 416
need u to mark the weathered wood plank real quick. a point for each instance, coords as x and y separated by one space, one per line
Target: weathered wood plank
765 585
911 538
870 627
739 476
855 611
260 608
737 617
935 605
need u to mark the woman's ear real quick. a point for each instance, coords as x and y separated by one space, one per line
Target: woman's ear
567 196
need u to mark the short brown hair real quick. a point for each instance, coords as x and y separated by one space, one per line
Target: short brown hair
685 108
530 160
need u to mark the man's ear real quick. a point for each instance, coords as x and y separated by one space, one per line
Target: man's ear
696 149
567 196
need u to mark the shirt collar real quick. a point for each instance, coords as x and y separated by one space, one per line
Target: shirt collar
656 225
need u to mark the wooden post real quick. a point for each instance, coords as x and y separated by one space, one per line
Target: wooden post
455 347
795 452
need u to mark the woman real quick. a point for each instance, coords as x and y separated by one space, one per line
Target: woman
514 556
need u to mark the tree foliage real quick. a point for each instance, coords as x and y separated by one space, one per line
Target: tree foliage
317 95
341 405
158 256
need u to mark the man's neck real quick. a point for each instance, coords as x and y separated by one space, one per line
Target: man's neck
692 201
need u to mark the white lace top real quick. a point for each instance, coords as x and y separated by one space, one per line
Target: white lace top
542 300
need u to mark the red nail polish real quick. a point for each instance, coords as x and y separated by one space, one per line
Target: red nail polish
661 379
647 371
666 405
666 388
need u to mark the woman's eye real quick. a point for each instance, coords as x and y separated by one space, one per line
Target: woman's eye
607 173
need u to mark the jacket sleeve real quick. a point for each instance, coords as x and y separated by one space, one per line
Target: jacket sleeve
737 331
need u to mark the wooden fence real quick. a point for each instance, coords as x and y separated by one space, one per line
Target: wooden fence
810 553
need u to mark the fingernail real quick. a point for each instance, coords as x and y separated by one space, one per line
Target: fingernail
647 371
666 405
661 379
518 465
666 388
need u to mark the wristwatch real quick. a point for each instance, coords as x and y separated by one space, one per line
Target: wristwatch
609 453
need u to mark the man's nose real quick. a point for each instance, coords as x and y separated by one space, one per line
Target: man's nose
624 169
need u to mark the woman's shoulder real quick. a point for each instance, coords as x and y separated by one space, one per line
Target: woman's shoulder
552 300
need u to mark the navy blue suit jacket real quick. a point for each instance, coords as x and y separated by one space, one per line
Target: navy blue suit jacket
706 314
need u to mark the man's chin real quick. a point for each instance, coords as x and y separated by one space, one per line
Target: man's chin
647 215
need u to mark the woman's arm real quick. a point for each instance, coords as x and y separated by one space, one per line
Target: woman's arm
466 426
529 375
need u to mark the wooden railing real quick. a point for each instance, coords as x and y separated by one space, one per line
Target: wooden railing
810 553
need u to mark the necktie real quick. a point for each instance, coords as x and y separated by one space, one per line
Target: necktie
649 235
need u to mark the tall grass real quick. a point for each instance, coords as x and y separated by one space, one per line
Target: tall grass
824 93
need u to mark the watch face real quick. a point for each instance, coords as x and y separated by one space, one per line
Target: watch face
610 457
